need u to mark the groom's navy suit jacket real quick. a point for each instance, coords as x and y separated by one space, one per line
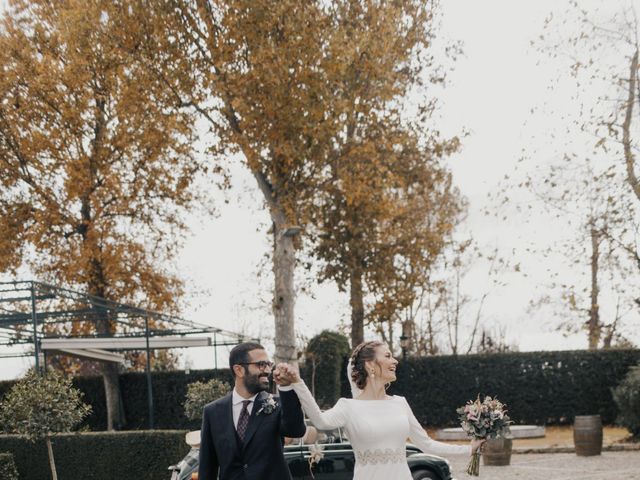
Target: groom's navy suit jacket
260 456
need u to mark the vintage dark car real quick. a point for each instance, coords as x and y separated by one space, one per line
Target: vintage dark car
334 460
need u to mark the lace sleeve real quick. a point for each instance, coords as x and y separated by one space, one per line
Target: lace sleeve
420 439
333 418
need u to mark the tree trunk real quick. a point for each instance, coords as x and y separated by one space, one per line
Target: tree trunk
611 329
284 262
431 342
115 413
52 463
97 281
594 314
629 157
357 308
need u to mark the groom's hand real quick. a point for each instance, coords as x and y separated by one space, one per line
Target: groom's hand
278 377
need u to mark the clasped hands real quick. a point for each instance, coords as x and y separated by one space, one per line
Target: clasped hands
285 374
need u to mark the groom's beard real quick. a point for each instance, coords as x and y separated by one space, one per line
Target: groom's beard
254 385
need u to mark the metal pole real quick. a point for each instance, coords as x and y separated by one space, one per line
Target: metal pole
34 318
148 369
215 351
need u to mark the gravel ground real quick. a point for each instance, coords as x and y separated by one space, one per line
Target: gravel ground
557 466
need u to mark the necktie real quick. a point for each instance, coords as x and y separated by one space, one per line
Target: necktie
243 421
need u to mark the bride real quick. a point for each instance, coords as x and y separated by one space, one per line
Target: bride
378 425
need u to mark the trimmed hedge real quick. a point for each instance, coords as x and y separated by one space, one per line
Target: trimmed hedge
143 455
169 393
538 387
8 467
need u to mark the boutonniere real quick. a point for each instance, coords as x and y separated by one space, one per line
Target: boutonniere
269 404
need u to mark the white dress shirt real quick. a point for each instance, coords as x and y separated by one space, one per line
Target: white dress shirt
236 400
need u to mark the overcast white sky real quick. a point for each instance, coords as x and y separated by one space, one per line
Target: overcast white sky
490 93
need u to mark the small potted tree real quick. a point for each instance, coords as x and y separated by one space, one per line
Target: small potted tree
201 393
39 406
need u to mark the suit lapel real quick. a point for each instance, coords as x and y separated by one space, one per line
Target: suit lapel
255 420
228 421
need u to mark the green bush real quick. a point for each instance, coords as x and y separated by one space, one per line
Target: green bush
39 405
200 394
325 365
7 467
141 455
538 387
627 398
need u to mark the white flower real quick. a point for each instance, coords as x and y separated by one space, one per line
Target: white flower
268 405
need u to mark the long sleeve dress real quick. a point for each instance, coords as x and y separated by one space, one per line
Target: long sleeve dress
378 431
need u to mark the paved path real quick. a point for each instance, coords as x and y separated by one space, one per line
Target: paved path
557 466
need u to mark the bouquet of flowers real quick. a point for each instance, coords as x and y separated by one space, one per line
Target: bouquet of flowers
482 420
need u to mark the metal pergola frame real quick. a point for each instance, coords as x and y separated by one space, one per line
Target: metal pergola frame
23 319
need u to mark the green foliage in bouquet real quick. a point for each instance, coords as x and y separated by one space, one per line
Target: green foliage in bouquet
627 398
38 406
7 467
200 394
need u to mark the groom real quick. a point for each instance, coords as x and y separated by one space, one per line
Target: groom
242 432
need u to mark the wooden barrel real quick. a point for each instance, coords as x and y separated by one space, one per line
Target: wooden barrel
587 435
497 451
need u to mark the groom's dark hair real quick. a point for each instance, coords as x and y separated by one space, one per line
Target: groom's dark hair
240 354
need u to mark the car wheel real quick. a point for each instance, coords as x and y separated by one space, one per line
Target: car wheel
424 475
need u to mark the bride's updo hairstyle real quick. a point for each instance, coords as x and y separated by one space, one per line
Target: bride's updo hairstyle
365 352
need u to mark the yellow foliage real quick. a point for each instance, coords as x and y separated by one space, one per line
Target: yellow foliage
96 163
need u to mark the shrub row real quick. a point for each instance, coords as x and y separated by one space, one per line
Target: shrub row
538 387
169 391
142 455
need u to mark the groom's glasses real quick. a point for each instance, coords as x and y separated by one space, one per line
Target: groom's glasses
262 365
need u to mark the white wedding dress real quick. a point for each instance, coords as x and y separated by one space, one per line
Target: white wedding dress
378 431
